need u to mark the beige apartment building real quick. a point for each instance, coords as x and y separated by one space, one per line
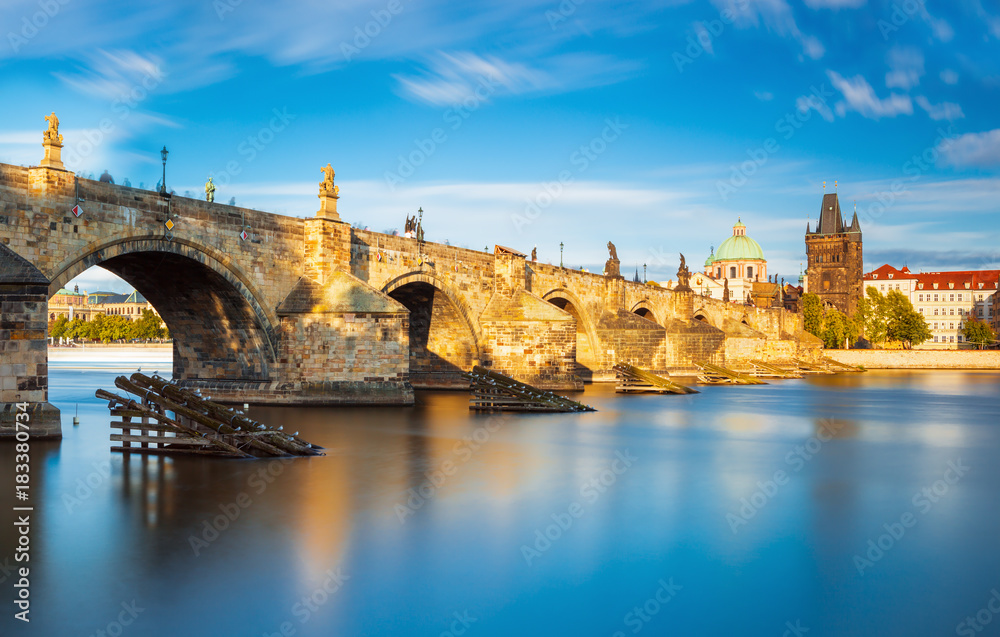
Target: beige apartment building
946 299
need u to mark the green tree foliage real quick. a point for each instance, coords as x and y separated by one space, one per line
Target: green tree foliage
812 312
978 332
839 330
115 328
903 323
57 328
75 329
891 318
871 316
93 328
148 326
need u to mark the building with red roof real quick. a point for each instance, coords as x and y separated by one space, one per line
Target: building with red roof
946 299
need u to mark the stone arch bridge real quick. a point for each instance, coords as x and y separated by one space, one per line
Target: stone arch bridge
314 311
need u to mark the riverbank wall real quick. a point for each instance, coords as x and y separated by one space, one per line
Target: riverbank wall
917 359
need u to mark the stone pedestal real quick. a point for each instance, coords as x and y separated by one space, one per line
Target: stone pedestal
612 267
53 154
328 206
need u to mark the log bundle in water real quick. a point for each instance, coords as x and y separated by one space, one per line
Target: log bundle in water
169 419
632 380
493 391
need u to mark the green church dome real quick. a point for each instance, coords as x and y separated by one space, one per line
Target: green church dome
711 258
739 246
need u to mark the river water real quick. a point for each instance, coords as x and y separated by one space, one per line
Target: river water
856 504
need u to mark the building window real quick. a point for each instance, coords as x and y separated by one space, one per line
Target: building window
921 310
920 297
952 297
959 338
952 312
883 287
935 311
935 339
732 272
960 296
951 339
749 271
951 326
935 297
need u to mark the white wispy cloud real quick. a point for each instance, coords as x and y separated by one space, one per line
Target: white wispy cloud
906 66
764 96
776 16
451 78
949 76
945 110
979 150
806 102
860 97
115 75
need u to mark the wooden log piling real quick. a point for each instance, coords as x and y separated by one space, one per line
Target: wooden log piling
632 379
493 391
197 425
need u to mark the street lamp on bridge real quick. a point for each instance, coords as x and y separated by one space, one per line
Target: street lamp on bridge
163 184
560 254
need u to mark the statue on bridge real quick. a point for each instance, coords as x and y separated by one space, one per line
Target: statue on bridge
534 254
52 134
52 144
725 290
209 190
326 187
612 267
683 276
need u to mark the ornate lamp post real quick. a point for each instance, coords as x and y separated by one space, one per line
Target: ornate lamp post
644 273
163 184
560 254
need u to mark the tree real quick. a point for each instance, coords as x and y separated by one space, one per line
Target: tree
978 332
76 329
57 328
92 329
812 314
838 329
148 326
871 316
903 323
115 328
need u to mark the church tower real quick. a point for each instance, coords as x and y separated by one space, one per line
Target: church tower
835 258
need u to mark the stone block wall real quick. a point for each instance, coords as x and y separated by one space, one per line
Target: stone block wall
24 359
531 340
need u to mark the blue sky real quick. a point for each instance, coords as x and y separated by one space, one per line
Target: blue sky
650 124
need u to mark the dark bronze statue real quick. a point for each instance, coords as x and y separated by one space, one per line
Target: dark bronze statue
612 267
683 275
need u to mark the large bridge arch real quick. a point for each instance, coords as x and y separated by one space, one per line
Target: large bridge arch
221 327
588 351
445 337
